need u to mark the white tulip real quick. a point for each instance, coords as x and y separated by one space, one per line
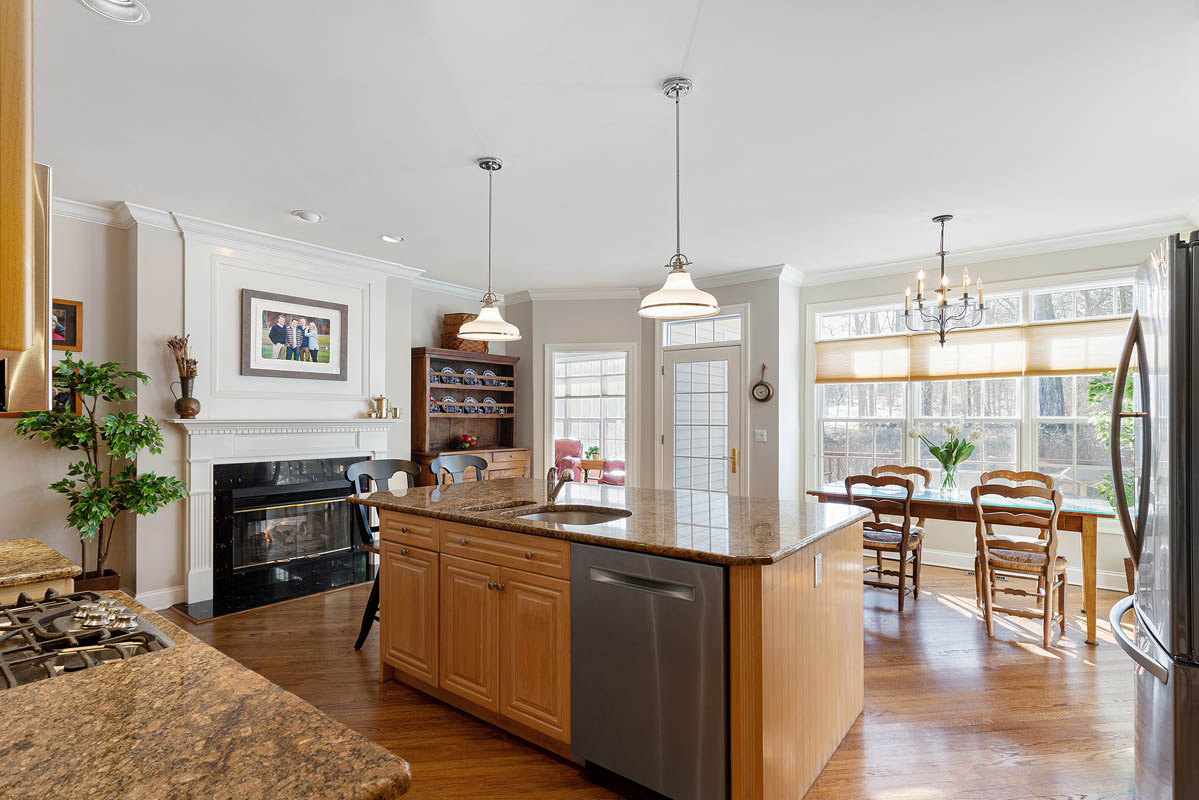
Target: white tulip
975 435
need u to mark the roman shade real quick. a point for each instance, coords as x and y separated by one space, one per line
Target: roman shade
1003 351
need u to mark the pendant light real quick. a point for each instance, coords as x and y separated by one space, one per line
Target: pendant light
678 298
489 326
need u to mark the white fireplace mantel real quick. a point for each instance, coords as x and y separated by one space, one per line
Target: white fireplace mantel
233 441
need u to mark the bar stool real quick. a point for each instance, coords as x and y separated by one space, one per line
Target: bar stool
456 465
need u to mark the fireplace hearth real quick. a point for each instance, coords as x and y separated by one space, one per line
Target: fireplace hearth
280 530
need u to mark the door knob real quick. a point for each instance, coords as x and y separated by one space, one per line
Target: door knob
733 460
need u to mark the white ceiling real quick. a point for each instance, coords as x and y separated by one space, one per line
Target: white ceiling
820 134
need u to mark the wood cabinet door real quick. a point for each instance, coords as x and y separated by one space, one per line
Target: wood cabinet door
535 651
470 621
408 609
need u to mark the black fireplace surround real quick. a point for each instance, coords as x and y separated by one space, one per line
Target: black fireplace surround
281 530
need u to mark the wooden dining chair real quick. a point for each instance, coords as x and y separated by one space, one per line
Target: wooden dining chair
1013 478
361 476
903 538
455 466
1023 557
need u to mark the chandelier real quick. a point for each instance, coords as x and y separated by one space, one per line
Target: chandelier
943 315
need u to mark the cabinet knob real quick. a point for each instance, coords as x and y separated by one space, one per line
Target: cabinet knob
499 586
462 542
403 551
403 529
490 585
528 554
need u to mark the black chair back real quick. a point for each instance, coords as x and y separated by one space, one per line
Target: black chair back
455 465
380 471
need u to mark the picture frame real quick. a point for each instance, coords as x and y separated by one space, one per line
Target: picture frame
284 336
66 325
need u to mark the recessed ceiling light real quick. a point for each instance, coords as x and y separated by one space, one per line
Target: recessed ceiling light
392 238
128 11
307 216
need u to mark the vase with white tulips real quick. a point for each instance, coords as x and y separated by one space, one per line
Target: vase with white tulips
958 447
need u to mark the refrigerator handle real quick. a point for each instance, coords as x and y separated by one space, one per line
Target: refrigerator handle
1134 532
1138 655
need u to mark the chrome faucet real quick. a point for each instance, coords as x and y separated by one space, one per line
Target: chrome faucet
554 483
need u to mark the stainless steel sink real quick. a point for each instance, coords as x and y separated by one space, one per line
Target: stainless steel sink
573 516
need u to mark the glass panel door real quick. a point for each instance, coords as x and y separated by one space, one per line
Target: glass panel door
702 415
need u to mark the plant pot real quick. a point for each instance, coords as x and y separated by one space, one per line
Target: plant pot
109 581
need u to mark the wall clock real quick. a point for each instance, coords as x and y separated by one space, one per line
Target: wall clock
762 391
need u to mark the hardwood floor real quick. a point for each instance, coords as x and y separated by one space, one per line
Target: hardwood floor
950 714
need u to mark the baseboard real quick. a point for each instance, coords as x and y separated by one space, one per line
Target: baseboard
1106 579
158 599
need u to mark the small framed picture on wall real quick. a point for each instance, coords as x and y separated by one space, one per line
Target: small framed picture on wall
292 337
66 325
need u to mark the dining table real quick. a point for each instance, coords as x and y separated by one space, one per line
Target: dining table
1080 515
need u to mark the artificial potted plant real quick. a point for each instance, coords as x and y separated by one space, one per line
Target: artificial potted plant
105 483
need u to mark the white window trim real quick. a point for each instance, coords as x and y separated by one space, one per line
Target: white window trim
1026 446
632 428
746 467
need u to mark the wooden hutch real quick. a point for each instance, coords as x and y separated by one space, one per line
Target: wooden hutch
437 422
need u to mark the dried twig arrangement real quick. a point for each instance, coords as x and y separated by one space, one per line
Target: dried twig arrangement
183 360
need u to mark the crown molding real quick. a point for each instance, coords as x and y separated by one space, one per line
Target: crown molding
86 212
619 293
221 232
130 214
1053 244
453 289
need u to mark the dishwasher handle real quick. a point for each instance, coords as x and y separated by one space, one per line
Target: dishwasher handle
678 591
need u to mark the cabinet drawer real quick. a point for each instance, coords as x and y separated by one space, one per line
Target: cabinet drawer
408 529
517 550
517 471
503 456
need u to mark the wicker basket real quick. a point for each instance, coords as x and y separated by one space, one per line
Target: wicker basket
452 322
452 342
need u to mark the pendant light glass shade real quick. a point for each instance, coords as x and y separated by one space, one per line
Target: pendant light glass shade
678 298
131 12
490 325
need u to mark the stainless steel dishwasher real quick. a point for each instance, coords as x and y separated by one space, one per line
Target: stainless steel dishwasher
649 666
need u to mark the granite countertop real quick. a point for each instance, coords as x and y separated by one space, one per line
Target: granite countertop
31 560
697 526
182 722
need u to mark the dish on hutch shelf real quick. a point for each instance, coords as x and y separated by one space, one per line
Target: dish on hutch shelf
489 406
450 409
487 373
473 380
434 408
472 405
448 376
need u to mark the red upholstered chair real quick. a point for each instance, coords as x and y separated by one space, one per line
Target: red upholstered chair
568 455
613 473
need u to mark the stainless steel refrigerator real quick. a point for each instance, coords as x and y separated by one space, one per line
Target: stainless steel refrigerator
1163 348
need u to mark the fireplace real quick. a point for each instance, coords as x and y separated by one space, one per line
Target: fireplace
281 530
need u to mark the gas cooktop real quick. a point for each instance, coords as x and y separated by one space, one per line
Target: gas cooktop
59 634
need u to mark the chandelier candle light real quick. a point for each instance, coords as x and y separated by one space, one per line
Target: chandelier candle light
943 314
490 325
678 298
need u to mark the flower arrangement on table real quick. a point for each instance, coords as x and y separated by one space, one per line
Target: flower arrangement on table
466 441
956 449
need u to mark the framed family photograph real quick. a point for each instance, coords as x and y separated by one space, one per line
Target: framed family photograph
66 325
292 337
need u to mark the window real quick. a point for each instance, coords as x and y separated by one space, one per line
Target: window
590 400
1049 424
724 328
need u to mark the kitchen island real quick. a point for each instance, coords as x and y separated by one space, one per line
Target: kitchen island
476 610
182 722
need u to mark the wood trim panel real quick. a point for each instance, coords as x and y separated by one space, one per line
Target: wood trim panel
9 594
469 631
408 529
408 612
521 551
16 175
535 651
796 665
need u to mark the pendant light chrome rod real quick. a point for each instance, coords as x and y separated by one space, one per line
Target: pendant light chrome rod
678 195
489 181
489 325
